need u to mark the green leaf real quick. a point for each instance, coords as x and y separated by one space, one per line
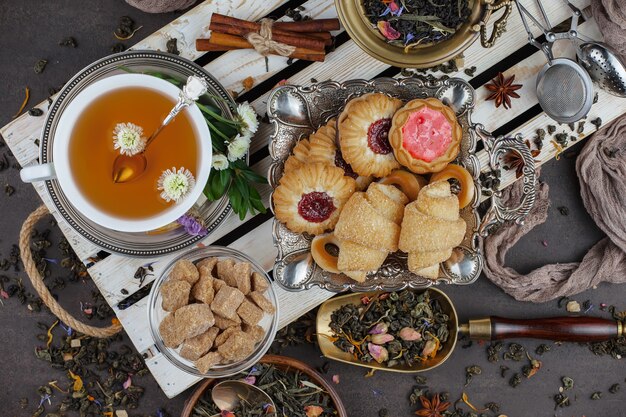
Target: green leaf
225 177
214 115
255 200
242 188
228 130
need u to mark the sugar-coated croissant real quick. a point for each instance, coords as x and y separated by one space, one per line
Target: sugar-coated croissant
367 231
431 228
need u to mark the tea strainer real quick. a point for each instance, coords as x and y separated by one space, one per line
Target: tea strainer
564 88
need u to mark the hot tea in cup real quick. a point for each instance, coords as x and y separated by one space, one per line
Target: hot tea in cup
85 148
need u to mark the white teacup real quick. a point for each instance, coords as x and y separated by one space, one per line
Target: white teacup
59 169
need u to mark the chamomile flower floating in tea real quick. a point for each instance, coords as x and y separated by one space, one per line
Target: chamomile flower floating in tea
128 138
175 184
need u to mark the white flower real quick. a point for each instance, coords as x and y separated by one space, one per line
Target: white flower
174 185
238 147
248 117
127 137
220 162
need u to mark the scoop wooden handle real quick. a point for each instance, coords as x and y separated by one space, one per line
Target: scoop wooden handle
567 329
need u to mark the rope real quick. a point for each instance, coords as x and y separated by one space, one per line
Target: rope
264 44
42 290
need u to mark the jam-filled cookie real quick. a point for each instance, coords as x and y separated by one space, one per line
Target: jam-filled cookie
298 156
425 135
363 134
310 199
323 149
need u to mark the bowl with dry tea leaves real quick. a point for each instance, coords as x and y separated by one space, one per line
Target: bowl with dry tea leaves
421 33
213 312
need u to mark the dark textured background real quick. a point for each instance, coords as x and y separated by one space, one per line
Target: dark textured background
31 30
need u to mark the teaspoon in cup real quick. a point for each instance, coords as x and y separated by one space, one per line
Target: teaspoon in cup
127 168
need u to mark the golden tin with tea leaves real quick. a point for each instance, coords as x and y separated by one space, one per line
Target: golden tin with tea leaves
387 40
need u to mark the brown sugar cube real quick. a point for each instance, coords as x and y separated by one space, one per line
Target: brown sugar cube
249 313
221 338
197 346
226 271
226 302
208 361
255 332
194 319
236 347
259 282
207 263
224 323
185 270
217 284
169 332
175 294
262 301
242 271
203 290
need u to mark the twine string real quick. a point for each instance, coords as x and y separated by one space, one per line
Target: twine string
263 43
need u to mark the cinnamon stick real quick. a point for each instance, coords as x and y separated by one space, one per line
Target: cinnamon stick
294 39
220 19
318 25
225 42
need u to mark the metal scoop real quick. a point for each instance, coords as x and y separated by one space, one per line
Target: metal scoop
228 394
566 329
604 65
127 168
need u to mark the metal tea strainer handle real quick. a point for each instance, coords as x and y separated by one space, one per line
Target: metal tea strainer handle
564 88
498 212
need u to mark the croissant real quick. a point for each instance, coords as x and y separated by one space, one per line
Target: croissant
431 228
368 229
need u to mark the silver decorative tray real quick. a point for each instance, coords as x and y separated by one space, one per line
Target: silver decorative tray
131 244
296 112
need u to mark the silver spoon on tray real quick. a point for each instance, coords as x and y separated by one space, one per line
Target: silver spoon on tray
127 168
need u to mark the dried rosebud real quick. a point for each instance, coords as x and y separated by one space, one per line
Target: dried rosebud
409 334
387 30
379 328
381 339
429 349
379 353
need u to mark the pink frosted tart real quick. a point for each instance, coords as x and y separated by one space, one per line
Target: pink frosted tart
425 135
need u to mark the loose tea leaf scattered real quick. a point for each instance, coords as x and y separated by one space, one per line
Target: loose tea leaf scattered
596 395
503 370
69 42
118 47
614 389
597 122
35 112
516 352
493 351
568 383
561 400
126 28
470 372
40 66
563 210
515 380
172 46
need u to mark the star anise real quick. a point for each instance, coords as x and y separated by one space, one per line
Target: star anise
432 407
513 160
502 90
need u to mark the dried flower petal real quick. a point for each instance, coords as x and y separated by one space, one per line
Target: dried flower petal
336 379
313 410
387 30
430 349
408 334
379 353
381 339
379 328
